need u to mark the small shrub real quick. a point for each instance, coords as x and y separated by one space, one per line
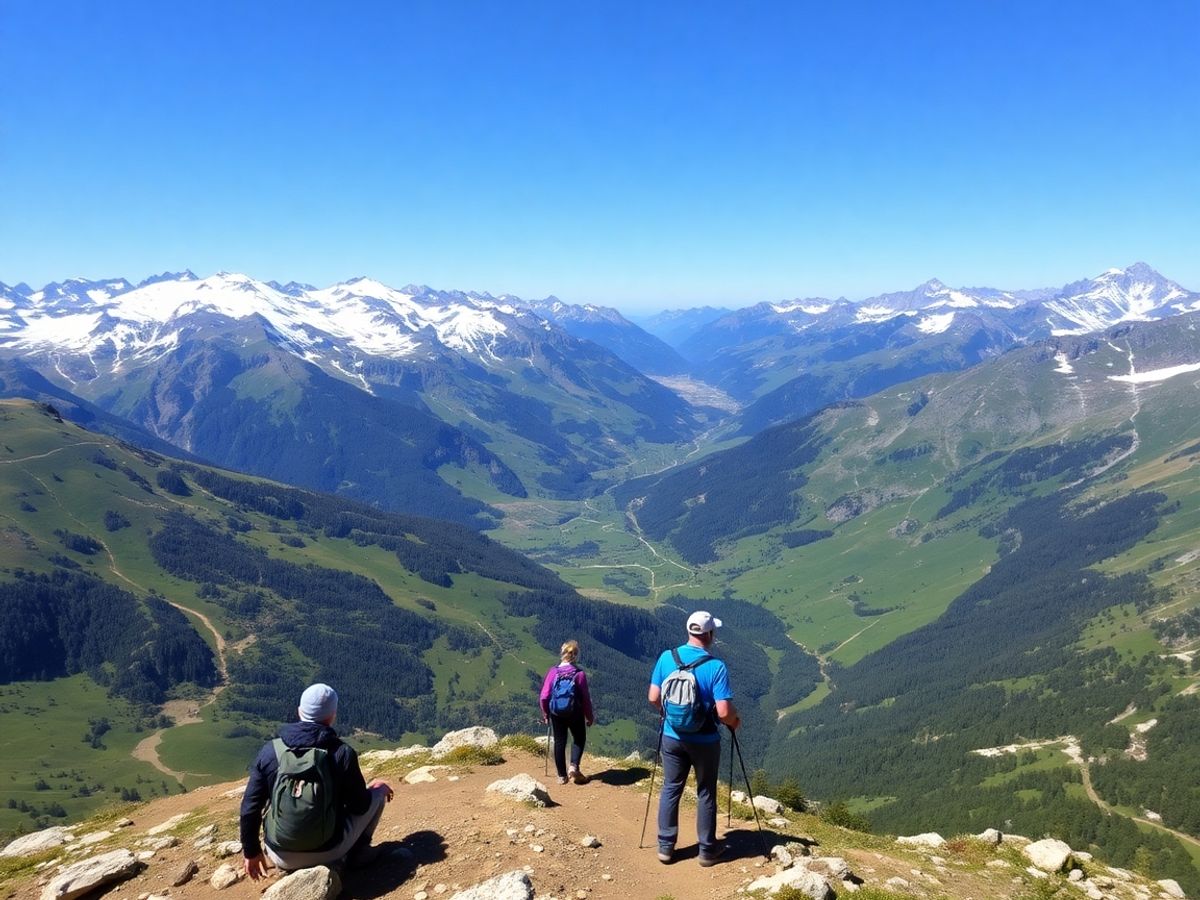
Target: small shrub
473 756
525 742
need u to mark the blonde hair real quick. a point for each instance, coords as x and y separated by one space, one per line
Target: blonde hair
569 651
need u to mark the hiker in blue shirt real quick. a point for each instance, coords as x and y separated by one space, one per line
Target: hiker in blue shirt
699 749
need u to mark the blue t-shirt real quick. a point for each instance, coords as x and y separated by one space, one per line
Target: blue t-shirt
712 682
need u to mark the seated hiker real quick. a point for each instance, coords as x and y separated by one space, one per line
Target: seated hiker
318 809
567 705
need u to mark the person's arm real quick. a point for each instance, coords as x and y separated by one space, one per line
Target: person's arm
356 799
727 712
585 694
254 800
544 697
654 695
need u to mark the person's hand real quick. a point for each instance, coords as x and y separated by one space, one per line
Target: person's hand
545 721
590 722
256 866
376 783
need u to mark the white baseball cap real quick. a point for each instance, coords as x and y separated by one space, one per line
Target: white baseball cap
701 622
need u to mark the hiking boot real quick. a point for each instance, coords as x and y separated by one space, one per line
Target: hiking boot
562 779
711 859
578 777
666 855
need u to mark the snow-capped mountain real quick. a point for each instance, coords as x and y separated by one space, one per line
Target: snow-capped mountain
1135 294
257 375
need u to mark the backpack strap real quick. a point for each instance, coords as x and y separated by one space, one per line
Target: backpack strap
687 667
280 749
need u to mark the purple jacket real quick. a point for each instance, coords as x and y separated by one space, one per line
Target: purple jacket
581 689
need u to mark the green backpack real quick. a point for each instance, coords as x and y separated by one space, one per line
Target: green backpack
303 811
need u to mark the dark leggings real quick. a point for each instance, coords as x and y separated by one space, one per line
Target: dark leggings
578 733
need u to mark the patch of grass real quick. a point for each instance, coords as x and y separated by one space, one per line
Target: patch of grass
524 742
473 756
866 892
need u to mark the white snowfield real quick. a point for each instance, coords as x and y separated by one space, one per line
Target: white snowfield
935 324
1156 374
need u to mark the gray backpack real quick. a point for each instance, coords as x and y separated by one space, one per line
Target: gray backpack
682 706
303 811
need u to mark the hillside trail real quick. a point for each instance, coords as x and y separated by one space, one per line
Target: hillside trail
454 834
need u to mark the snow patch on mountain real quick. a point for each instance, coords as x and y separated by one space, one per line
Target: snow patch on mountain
1156 374
936 324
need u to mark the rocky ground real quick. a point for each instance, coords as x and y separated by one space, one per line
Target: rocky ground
446 833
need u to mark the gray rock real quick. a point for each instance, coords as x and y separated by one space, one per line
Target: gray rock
224 877
1075 875
317 883
768 805
86 875
990 836
227 848
928 839
167 825
509 886
634 756
424 774
524 788
1049 855
1171 888
808 883
831 868
185 873
39 842
159 843
476 736
590 841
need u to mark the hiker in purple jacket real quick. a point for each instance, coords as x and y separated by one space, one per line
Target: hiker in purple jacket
567 706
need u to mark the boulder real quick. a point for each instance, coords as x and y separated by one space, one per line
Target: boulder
928 839
375 757
990 836
1171 888
424 774
524 788
808 883
317 883
476 736
225 876
38 842
768 805
590 841
739 797
1049 855
509 886
86 875
227 848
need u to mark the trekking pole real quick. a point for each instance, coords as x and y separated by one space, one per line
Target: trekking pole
750 791
729 804
547 749
646 818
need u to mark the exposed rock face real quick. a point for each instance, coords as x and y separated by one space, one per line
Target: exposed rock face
524 788
1049 855
317 883
38 842
86 875
476 736
510 886
928 839
1171 888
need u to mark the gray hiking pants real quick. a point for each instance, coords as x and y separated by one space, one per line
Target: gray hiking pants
677 758
354 829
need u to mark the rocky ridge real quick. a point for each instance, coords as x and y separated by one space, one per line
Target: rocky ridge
476 820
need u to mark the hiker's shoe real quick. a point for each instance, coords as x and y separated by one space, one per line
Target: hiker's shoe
716 856
665 856
578 777
362 857
562 779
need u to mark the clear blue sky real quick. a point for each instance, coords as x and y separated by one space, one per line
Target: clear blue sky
640 155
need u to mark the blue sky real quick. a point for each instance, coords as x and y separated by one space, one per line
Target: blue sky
640 155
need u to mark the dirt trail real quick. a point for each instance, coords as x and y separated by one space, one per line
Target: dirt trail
453 833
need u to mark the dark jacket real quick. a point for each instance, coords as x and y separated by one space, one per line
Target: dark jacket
353 797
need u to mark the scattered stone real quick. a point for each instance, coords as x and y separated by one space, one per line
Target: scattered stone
990 836
185 873
424 774
123 823
634 756
590 841
86 875
778 822
39 842
509 886
202 843
998 863
145 855
897 882
421 895
206 831
782 855
1094 893
829 867
161 843
1171 888
808 883
225 876
1036 872
1049 855
928 839
169 824
524 788
375 757
475 736
536 848
227 848
1075 875
317 883
739 797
